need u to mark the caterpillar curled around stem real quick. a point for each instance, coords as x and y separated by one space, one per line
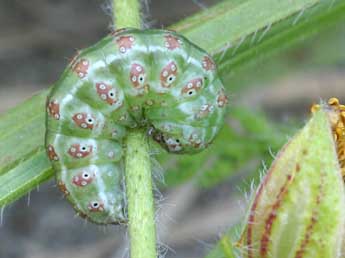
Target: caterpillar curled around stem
133 78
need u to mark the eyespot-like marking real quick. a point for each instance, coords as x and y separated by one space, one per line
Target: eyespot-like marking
96 206
195 141
173 144
80 151
192 87
51 153
83 178
222 99
84 120
204 111
172 42
125 43
81 67
107 93
137 76
53 109
168 74
208 64
62 187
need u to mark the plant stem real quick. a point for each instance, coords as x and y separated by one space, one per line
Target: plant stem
126 13
142 229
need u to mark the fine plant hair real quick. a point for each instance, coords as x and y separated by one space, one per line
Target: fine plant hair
145 14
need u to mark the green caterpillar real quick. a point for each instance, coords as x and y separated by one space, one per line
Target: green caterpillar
132 78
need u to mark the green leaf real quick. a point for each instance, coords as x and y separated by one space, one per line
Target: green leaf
236 32
24 163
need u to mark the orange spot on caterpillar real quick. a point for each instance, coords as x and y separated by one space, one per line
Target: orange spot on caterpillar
62 187
51 153
208 64
106 92
83 178
192 87
53 109
137 76
79 151
125 43
84 120
81 67
168 74
172 42
222 99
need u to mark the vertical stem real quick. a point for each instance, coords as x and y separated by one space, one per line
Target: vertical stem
142 229
126 13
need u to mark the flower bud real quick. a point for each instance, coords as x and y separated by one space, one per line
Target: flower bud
299 207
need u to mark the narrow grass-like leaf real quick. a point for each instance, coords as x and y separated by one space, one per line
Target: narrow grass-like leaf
241 32
25 176
22 132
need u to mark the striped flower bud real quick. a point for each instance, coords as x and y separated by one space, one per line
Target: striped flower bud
298 210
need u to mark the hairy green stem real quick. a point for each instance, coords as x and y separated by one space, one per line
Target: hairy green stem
126 13
142 229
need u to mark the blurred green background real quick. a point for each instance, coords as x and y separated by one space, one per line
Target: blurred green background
202 195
